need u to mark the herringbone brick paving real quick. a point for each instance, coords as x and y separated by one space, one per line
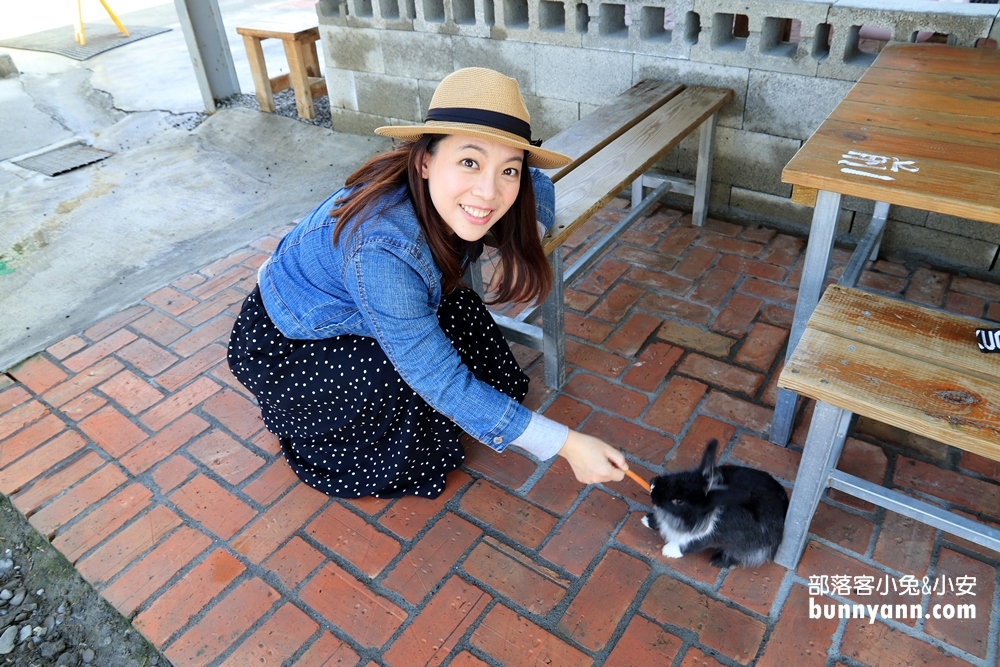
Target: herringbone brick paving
133 449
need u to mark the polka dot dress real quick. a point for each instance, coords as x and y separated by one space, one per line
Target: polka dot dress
348 424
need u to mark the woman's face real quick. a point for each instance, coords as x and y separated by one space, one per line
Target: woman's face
472 182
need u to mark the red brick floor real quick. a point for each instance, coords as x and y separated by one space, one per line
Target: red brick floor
135 451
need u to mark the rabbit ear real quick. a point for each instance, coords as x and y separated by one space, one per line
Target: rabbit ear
707 467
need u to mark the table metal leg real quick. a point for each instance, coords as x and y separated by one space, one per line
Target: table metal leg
867 247
824 443
818 249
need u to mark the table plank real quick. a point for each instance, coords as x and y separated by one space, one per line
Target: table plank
936 58
929 100
911 394
976 86
908 145
943 187
981 129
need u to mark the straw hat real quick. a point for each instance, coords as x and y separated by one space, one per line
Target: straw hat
480 103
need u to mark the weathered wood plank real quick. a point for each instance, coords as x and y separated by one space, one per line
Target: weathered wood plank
973 86
943 187
804 195
942 100
908 145
596 130
933 124
591 185
912 394
934 336
279 30
936 59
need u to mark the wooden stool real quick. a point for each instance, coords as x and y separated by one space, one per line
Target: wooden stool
303 66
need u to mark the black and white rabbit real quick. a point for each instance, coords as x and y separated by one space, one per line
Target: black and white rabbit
739 512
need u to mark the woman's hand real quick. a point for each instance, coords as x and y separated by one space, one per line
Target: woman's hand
593 461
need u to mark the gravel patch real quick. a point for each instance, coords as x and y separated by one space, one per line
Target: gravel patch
284 104
50 616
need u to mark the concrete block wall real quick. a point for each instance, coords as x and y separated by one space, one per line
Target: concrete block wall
385 57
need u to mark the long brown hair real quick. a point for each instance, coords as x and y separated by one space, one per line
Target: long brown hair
526 275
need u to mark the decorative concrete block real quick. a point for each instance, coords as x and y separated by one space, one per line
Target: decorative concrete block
379 14
549 117
699 74
765 46
965 22
640 27
762 206
789 105
417 55
971 229
390 96
512 58
452 17
357 49
425 89
866 207
937 247
341 89
331 12
355 122
752 160
554 22
581 75
557 22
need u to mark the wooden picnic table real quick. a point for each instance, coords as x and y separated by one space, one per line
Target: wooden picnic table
921 128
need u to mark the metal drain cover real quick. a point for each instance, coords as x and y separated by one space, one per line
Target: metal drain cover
63 159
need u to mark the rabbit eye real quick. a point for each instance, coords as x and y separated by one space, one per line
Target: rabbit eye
677 501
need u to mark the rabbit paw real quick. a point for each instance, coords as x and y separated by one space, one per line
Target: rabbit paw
671 550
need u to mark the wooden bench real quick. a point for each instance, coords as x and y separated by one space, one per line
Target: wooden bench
905 365
613 147
303 65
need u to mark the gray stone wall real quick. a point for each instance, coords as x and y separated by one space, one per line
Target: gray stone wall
384 58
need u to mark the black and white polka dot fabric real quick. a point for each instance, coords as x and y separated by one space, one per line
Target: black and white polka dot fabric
348 424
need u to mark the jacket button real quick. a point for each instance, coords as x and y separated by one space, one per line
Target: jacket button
498 440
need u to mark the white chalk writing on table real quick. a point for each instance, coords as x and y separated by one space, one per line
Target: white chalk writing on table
856 161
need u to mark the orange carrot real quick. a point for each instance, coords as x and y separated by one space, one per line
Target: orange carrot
638 480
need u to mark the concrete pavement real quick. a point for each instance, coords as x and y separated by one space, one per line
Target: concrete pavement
179 190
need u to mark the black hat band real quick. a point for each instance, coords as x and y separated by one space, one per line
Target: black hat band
494 119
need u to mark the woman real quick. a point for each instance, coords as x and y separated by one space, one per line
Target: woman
366 355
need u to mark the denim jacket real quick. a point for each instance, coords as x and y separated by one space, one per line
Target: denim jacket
381 281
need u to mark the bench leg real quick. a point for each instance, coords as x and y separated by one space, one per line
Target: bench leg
473 277
298 60
312 60
258 70
703 176
824 443
818 249
554 327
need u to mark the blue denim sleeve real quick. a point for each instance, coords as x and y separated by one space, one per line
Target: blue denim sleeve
388 285
545 198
